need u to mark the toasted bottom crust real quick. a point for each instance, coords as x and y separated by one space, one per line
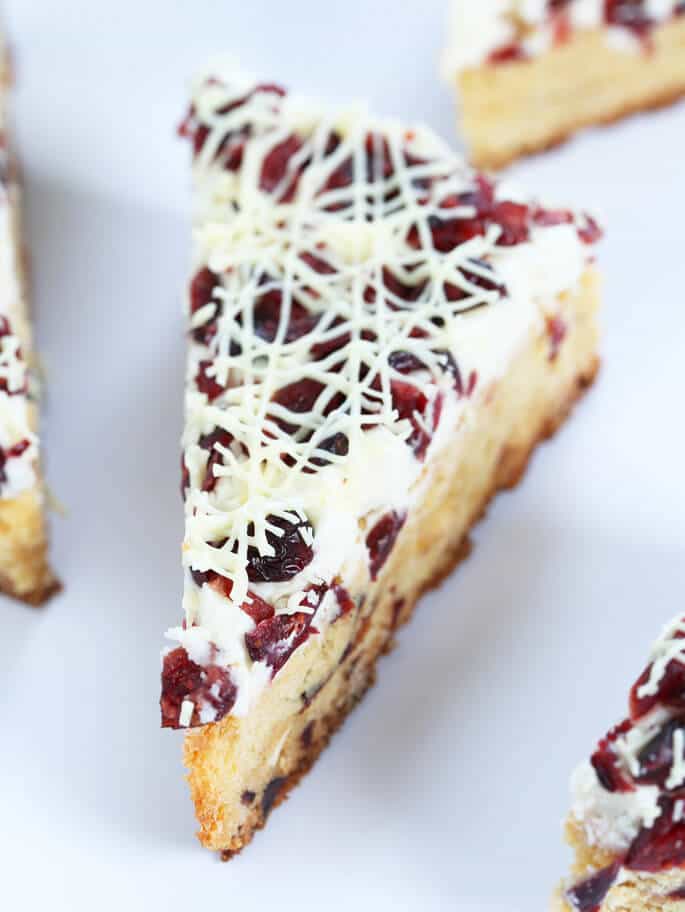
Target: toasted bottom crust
633 891
240 768
24 570
515 109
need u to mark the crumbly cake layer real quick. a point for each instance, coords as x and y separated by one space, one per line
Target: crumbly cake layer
515 108
239 768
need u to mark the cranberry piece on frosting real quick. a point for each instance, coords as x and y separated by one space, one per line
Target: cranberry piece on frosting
670 690
207 384
209 442
631 14
275 639
508 53
13 452
381 539
656 757
207 687
201 294
588 895
662 845
606 763
412 405
278 171
291 553
556 332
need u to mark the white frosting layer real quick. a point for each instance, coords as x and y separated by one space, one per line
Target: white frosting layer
243 233
476 29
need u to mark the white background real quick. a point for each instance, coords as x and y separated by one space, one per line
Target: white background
446 789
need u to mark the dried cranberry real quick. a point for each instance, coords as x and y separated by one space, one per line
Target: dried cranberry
589 894
656 757
321 350
670 691
317 263
513 219
183 679
556 332
201 294
381 539
451 367
402 290
291 553
487 283
206 384
337 444
275 639
14 452
209 442
405 362
663 844
590 232
345 600
300 396
230 148
547 218
267 314
257 608
411 405
379 165
631 14
508 53
606 764
277 167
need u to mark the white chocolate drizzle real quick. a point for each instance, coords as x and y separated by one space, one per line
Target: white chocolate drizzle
354 257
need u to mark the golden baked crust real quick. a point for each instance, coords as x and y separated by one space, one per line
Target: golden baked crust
240 768
519 108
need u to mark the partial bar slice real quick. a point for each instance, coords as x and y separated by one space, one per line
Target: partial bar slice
627 823
378 339
24 569
529 74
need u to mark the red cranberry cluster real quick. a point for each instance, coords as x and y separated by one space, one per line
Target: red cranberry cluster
662 845
273 640
205 685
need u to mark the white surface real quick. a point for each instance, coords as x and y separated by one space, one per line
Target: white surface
445 790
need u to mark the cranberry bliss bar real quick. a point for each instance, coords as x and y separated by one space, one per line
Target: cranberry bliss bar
24 569
531 72
378 339
627 824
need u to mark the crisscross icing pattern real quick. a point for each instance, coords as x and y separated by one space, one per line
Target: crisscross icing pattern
328 298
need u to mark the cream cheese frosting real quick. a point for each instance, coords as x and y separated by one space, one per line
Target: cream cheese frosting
350 216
